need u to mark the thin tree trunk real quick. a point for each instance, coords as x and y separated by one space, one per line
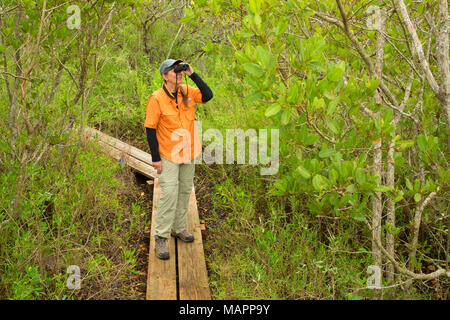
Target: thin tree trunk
417 221
390 215
390 182
381 23
377 208
441 92
377 212
443 63
12 123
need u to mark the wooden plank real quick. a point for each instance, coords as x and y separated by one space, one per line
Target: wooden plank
142 167
161 277
129 149
132 151
192 274
122 154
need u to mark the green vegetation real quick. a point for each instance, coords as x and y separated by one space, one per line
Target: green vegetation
361 160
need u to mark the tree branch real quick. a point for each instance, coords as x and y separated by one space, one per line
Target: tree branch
418 47
417 276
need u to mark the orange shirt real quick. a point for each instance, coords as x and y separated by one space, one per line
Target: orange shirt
176 132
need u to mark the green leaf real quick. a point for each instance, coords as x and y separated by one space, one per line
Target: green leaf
351 188
360 176
329 95
354 297
337 72
388 115
254 6
317 66
293 93
331 124
333 175
332 106
404 144
265 58
382 188
285 116
408 184
311 139
371 85
253 69
303 172
416 185
444 174
326 153
358 216
253 97
257 19
398 198
417 197
241 56
318 103
377 123
319 182
280 185
422 142
255 83
187 18
272 110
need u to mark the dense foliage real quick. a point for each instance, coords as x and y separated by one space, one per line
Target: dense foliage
362 110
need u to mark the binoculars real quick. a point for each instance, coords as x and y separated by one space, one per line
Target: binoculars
181 67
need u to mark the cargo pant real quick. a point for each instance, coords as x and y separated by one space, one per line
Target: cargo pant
176 181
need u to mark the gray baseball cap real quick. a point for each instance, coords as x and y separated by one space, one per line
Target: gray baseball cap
167 64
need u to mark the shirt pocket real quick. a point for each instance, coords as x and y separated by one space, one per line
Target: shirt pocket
170 119
190 113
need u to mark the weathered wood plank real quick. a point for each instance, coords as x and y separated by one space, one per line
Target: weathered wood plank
136 164
161 277
192 273
122 154
116 143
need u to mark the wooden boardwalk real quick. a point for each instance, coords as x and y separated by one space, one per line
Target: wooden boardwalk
184 275
137 159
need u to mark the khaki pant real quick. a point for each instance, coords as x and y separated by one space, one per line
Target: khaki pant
176 182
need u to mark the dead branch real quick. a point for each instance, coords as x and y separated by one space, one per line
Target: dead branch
417 276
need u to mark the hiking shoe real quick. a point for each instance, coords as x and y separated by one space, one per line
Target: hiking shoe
183 236
161 249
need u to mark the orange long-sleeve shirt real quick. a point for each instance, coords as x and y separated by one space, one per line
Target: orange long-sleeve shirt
175 127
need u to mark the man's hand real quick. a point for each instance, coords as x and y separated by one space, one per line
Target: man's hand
188 71
157 166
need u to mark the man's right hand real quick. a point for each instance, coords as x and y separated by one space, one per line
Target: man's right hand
158 166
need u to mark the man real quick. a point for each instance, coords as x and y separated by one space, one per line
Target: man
174 144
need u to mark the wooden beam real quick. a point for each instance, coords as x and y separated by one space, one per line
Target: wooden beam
116 143
138 165
192 273
161 277
135 158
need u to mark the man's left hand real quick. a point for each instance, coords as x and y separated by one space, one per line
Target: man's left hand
189 71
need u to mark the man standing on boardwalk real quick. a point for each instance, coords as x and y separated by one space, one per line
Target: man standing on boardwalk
174 144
